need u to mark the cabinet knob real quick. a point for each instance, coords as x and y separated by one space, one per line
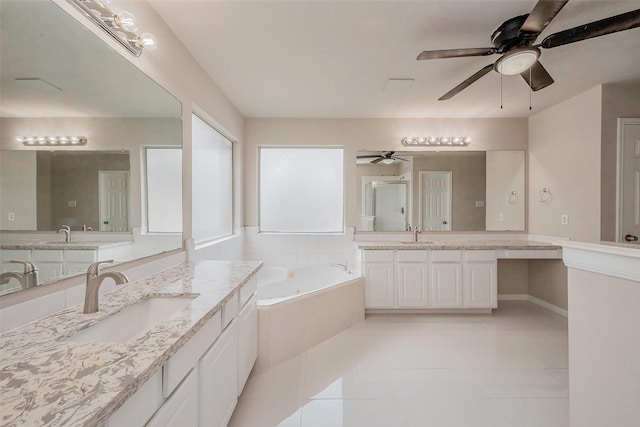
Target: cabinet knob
631 238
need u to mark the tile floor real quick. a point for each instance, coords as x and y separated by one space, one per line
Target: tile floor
504 369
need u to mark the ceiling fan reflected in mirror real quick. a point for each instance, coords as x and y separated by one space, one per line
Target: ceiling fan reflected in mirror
386 157
514 41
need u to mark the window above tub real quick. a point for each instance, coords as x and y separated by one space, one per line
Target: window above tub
301 190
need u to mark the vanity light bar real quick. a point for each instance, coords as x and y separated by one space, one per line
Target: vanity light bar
122 26
436 140
52 140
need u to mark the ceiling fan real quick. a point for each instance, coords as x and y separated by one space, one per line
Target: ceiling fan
514 41
386 158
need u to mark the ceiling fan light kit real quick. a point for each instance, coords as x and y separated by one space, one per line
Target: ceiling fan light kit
517 61
460 141
514 40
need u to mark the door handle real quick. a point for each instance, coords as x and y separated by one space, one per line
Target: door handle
631 238
444 222
106 222
402 210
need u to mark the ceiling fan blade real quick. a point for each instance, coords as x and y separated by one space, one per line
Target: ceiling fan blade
376 161
456 53
368 157
542 14
613 24
399 158
456 90
540 77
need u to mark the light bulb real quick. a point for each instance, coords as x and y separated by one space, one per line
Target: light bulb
126 20
433 140
147 41
421 140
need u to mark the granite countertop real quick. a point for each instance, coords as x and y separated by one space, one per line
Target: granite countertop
79 245
458 244
44 381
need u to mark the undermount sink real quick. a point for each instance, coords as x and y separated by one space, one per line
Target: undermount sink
421 243
133 321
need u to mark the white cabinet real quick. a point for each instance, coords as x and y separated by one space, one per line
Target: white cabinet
219 379
380 287
430 279
247 341
480 280
181 408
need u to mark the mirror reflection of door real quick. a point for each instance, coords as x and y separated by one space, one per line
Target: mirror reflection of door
630 181
435 200
390 205
113 196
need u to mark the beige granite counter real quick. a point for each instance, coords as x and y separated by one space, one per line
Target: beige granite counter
79 245
459 244
46 382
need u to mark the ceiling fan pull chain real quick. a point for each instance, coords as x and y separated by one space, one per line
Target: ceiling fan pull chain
530 89
501 91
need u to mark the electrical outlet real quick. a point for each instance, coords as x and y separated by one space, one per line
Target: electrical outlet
479 203
564 219
72 203
12 216
500 217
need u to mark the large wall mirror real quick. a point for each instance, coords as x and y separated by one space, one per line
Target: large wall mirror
59 80
441 190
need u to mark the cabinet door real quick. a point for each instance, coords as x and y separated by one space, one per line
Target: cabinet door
181 408
379 285
49 270
412 285
247 341
218 370
480 285
446 285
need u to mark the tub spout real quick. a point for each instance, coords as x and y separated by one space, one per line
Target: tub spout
345 266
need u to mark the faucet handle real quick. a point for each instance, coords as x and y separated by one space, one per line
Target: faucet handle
94 268
28 266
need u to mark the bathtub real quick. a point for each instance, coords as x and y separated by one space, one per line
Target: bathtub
300 308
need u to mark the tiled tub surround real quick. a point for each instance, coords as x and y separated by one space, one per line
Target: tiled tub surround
44 381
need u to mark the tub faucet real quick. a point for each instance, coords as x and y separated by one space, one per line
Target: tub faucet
417 229
28 278
94 280
67 232
345 266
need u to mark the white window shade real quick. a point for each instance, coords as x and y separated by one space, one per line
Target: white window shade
164 190
212 202
302 190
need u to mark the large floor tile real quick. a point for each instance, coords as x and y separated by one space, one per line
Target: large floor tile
353 413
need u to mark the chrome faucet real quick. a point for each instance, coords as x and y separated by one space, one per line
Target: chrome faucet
67 232
417 229
28 278
345 266
94 280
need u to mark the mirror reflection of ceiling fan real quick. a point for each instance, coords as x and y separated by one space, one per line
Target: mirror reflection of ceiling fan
514 39
386 157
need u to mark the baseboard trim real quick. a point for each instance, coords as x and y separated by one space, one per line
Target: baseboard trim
537 301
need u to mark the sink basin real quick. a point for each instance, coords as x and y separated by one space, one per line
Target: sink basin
425 242
132 322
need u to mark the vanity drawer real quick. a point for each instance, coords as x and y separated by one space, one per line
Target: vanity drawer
15 254
412 255
48 255
80 256
187 357
446 256
247 290
377 256
229 310
480 255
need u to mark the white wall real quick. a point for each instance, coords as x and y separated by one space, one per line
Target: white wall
367 134
505 173
564 155
18 190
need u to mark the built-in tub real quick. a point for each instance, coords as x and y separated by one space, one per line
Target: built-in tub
300 308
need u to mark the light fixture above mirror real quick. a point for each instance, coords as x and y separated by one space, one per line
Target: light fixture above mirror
436 140
122 25
52 140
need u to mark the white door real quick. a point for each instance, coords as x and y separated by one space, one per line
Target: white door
113 200
629 181
435 200
390 206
